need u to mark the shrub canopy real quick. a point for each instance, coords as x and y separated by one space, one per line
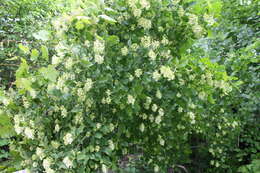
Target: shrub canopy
119 83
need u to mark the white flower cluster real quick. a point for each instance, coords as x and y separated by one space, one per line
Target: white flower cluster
40 153
47 165
29 133
152 55
156 75
148 102
111 144
145 23
124 51
99 48
167 72
68 139
88 85
142 127
209 19
68 163
192 117
130 99
161 140
138 72
194 22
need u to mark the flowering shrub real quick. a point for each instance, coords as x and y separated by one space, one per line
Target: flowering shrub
119 83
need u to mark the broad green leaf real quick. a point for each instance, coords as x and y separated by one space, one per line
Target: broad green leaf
25 49
79 25
6 127
45 52
23 69
107 18
98 135
112 40
42 35
34 54
49 73
24 83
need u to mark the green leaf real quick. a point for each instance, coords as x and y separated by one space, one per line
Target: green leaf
24 83
42 35
34 54
98 135
6 127
79 25
49 73
45 52
107 18
25 49
112 40
23 69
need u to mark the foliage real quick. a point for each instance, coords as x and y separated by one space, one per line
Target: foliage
19 21
234 43
251 168
120 83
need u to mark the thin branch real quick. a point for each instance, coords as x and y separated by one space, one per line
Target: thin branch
17 65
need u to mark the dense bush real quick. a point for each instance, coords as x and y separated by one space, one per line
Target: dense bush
120 83
19 24
234 43
133 86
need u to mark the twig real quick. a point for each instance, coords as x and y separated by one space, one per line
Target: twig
9 65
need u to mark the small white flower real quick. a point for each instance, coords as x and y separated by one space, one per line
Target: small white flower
63 111
108 92
68 139
156 168
180 109
97 148
99 59
138 72
146 41
209 19
18 129
29 133
104 168
142 127
191 115
111 144
161 112
165 41
154 108
50 170
68 163
131 77
88 84
156 75
167 72
152 55
98 125
145 23
158 119
145 4
162 142
158 94
202 95
137 12
47 163
99 46
40 153
57 128
124 51
130 99
69 63
178 95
